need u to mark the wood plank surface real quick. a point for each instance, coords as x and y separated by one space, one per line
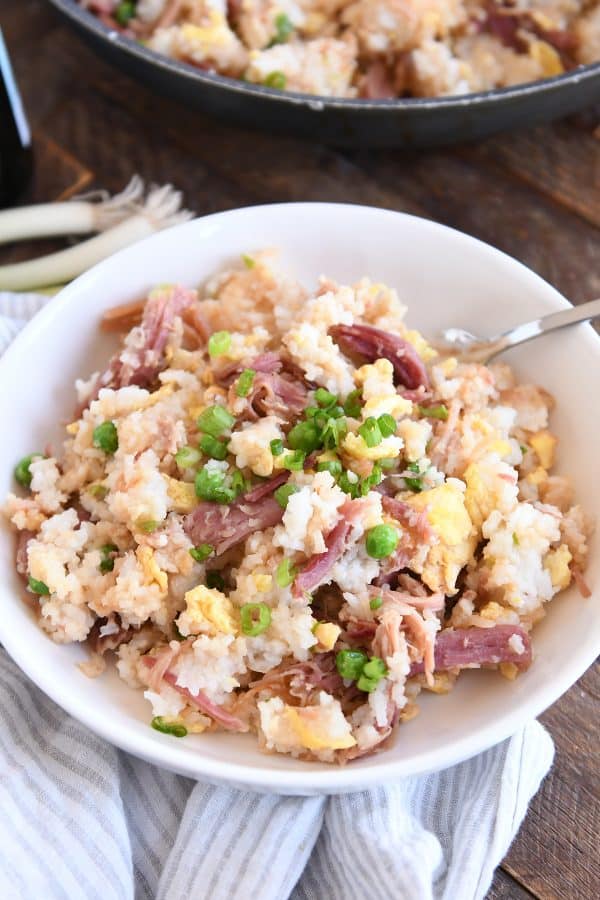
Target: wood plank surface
534 194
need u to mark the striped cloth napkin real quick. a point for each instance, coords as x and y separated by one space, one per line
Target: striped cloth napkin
82 819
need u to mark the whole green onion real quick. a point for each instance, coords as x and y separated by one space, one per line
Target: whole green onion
255 618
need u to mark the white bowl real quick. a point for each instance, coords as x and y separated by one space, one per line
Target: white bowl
446 278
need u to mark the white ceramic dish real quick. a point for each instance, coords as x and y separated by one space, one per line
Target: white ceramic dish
447 279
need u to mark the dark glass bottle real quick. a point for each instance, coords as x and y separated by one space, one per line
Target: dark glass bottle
15 136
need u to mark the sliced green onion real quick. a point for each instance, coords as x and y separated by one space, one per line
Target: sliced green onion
22 472
414 484
215 580
515 539
283 29
202 552
245 382
276 80
98 491
333 466
105 437
370 432
215 420
255 618
248 261
350 663
38 587
219 343
523 448
387 463
387 424
348 485
173 728
381 541
334 433
107 563
304 436
213 447
276 447
294 461
210 485
434 412
283 494
311 411
325 398
352 405
124 12
147 525
285 573
238 483
187 457
376 603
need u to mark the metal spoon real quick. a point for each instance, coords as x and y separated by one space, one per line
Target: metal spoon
481 350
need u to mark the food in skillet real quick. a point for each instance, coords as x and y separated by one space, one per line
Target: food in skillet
284 513
367 48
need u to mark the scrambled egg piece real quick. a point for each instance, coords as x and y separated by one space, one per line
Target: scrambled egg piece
251 445
152 571
327 634
488 488
182 495
312 727
262 581
547 58
207 611
378 390
425 350
449 519
355 446
538 476
557 564
544 443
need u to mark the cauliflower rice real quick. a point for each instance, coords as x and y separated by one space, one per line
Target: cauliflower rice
367 48
284 512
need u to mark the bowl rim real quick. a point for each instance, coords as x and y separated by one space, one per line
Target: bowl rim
375 769
84 19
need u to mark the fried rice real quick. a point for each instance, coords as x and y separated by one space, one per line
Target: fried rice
284 512
367 48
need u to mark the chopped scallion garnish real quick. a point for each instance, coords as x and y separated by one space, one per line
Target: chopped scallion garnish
370 432
284 492
276 447
245 382
187 457
434 412
202 552
176 729
352 406
285 573
213 447
219 343
215 420
38 587
255 618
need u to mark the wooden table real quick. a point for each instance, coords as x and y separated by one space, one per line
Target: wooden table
535 195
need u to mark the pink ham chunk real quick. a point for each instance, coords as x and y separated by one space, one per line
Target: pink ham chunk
372 343
462 648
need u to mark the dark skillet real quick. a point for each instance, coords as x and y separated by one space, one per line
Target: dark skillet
372 123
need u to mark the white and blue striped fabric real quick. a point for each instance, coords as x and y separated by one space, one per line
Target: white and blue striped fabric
80 819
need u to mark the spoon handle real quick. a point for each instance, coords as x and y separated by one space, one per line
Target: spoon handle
529 330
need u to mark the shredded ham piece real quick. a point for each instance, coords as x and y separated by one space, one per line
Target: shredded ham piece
160 672
21 551
467 647
579 580
372 343
319 565
397 614
224 526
